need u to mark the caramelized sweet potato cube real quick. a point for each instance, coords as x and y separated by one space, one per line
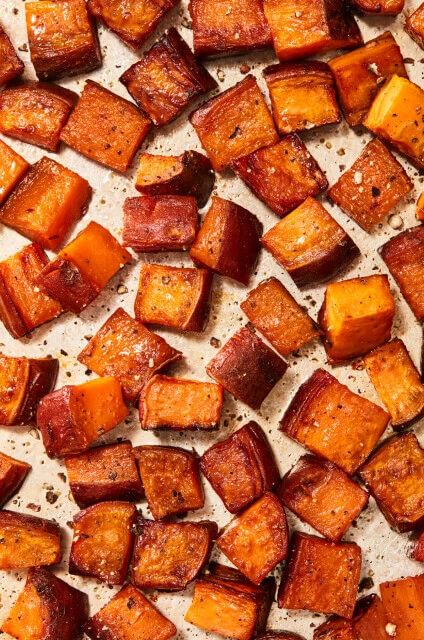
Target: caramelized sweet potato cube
10 65
125 349
310 245
414 25
356 316
104 473
48 608
118 133
403 601
228 241
234 123
361 73
83 268
103 541
418 549
62 38
322 495
71 418
321 576
394 475
282 175
279 635
27 541
302 95
333 422
171 480
247 368
380 7
169 555
12 474
420 208
12 169
369 622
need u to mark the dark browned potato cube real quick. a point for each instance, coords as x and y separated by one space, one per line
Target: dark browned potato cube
379 7
369 622
10 65
414 25
279 635
12 474
28 541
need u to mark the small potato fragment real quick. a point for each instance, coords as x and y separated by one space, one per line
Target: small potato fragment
12 169
379 7
418 549
369 622
420 208
404 603
10 65
28 541
12 474
414 25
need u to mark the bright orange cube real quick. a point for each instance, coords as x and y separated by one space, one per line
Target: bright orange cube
12 169
10 65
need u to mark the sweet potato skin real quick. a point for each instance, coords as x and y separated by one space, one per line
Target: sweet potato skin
380 7
12 169
404 603
369 622
12 475
11 66
279 635
28 541
418 549
414 26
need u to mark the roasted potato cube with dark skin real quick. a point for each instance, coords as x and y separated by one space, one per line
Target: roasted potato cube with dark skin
279 635
379 7
12 475
169 555
404 603
28 541
282 175
322 495
420 208
369 622
414 26
12 169
11 66
418 548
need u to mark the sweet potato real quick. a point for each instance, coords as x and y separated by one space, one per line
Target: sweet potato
369 622
12 475
12 169
403 601
27 541
279 635
380 7
414 25
420 208
11 66
417 552
333 422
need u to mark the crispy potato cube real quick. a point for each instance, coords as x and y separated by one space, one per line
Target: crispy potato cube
48 608
414 25
356 316
234 123
380 7
333 422
420 208
171 480
104 473
72 418
322 495
361 73
247 368
10 65
394 475
404 603
27 541
310 245
302 95
12 475
321 576
282 175
12 169
368 623
125 349
169 555
228 241
118 133
258 539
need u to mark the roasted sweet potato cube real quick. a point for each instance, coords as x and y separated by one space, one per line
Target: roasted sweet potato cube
420 208
125 349
321 576
169 555
414 25
279 635
403 601
361 73
282 175
12 474
394 475
171 480
333 422
27 541
302 95
48 608
12 169
380 7
71 418
228 241
322 495
417 552
310 245
10 65
83 268
234 123
104 473
118 133
369 622
356 316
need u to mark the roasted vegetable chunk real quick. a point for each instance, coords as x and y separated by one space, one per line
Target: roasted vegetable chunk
420 208
12 169
48 608
10 65
228 241
282 175
169 555
356 316
125 349
310 245
380 7
247 368
394 475
27 541
71 418
104 473
279 635
322 495
369 622
119 132
171 480
12 474
321 576
414 25
418 548
234 123
333 422
404 604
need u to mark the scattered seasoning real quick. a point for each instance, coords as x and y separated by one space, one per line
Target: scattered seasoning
395 221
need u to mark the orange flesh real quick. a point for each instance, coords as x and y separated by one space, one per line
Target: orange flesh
28 618
404 604
14 378
12 168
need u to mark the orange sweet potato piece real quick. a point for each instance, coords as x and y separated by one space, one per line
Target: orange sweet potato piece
403 601
169 555
104 473
333 422
12 169
321 576
322 495
368 623
118 133
414 25
279 635
282 175
71 418
310 245
420 208
171 480
27 541
125 349
10 65
12 474
48 608
418 548
234 123
380 7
